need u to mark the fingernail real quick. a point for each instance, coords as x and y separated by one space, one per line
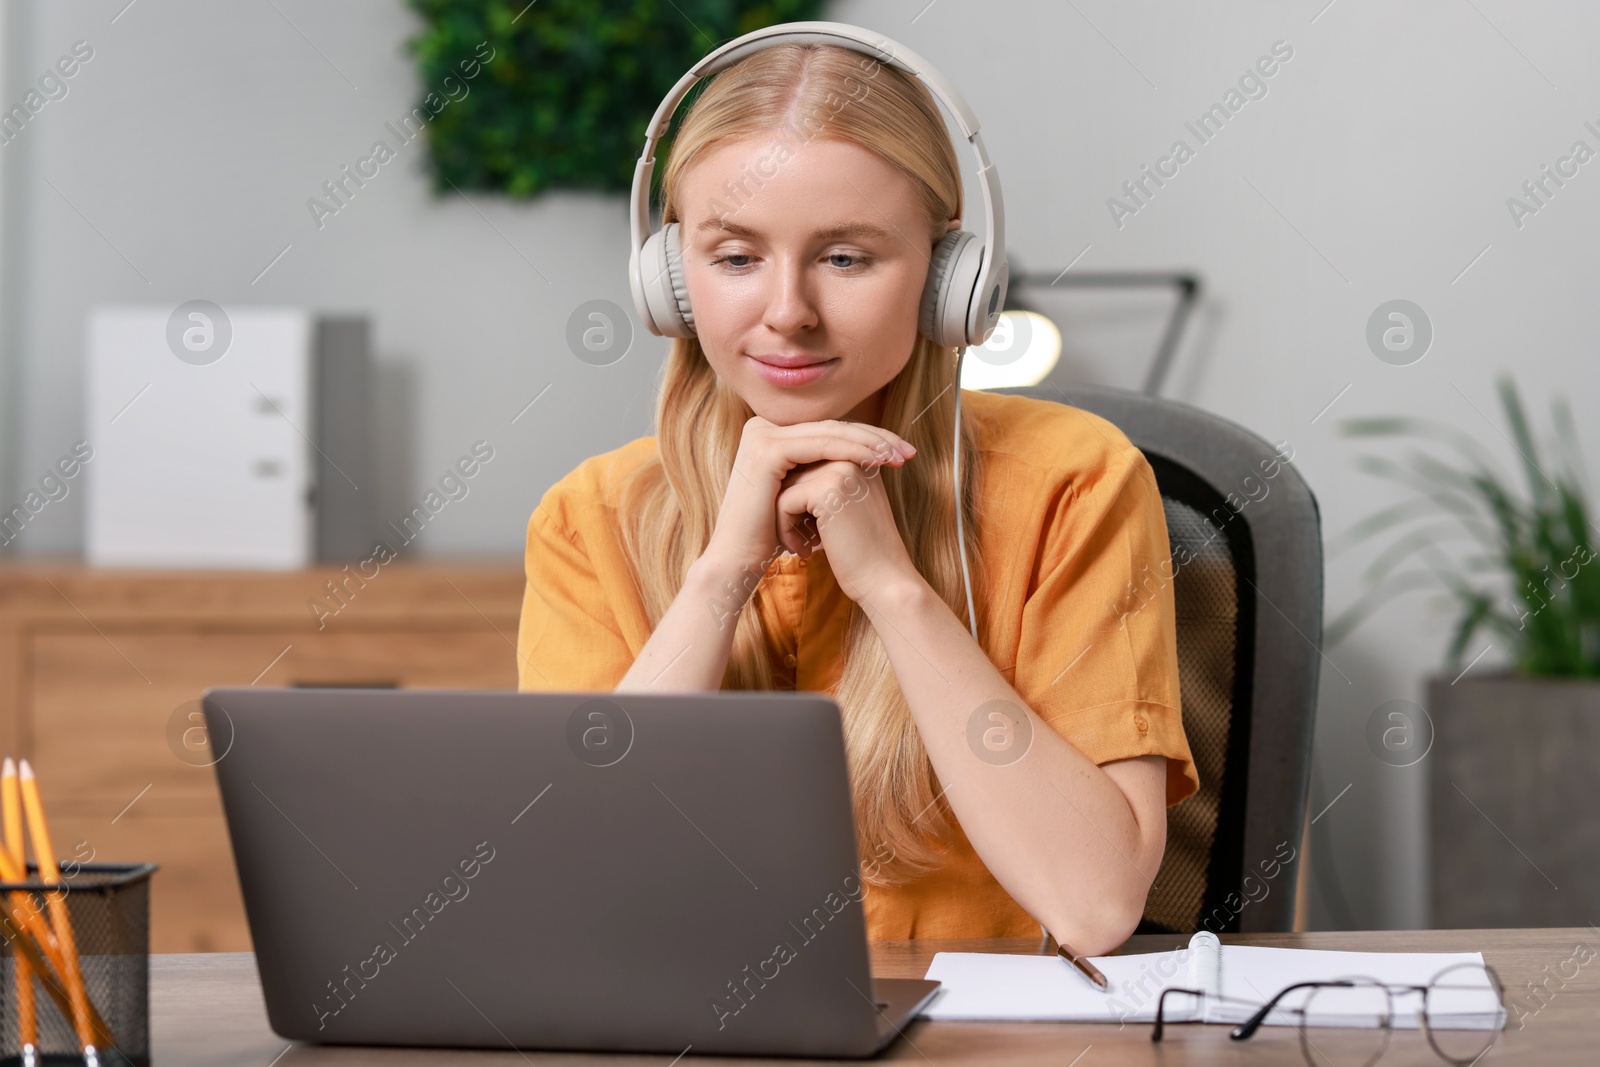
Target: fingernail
908 448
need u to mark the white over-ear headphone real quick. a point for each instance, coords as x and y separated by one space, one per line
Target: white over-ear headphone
966 286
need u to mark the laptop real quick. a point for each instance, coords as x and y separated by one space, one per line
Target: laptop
661 873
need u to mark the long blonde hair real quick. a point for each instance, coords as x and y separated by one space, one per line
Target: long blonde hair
670 505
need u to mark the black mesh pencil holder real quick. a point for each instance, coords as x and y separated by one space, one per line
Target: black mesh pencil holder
108 905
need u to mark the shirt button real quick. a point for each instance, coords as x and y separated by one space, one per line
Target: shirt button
789 660
1140 723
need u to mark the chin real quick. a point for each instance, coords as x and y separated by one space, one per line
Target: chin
787 411
786 414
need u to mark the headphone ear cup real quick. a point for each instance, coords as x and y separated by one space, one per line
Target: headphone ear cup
661 280
680 287
952 272
928 315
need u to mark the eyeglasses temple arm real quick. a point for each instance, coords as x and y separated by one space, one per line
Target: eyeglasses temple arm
1161 1006
1252 1024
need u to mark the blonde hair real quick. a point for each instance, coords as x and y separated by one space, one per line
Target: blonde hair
670 505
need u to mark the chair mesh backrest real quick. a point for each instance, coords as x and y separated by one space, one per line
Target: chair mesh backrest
1205 832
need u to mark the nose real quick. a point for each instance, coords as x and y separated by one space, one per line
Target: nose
790 305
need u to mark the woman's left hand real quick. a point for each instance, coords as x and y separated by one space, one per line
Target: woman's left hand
841 508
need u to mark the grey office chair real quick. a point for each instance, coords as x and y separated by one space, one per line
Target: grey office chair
1249 625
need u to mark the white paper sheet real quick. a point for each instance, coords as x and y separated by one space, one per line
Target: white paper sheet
996 986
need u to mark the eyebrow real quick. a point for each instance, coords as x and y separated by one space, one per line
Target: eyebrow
831 233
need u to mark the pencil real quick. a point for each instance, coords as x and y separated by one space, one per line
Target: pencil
50 874
30 951
11 816
42 950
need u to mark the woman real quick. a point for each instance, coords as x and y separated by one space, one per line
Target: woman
792 526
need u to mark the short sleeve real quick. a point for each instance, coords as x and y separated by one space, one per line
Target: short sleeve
567 637
1097 657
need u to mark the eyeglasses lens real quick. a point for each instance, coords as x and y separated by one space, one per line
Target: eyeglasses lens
1465 1012
1346 1025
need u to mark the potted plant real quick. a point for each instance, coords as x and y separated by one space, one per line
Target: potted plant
1510 754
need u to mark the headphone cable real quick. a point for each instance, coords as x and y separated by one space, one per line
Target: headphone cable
955 469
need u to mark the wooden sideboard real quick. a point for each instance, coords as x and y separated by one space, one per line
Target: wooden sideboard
101 672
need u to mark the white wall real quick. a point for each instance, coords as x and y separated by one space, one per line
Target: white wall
182 160
11 46
1376 167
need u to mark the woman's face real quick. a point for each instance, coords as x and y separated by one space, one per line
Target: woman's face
822 261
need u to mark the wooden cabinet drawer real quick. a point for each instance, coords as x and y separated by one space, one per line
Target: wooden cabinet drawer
101 669
103 706
194 898
108 711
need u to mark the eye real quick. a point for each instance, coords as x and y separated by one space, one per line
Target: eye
858 262
737 267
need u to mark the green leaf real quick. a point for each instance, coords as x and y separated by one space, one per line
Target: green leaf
572 84
1531 576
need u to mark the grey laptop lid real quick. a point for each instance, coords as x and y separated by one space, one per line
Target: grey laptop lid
553 870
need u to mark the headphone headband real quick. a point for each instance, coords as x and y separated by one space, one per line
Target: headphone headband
992 270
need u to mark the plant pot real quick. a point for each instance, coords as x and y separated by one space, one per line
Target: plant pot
1514 790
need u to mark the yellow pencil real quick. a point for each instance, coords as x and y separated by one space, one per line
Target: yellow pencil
42 950
11 816
27 948
49 874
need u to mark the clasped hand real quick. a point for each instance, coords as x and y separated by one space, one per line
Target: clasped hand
811 486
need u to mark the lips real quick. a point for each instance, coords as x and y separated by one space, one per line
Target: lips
789 361
806 369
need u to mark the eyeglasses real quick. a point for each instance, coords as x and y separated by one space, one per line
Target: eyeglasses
1461 1010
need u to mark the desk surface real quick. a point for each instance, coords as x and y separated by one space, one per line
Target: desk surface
207 1009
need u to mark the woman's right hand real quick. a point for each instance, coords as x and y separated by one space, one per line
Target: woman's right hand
748 533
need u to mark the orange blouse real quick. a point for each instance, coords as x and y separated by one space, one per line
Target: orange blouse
1081 619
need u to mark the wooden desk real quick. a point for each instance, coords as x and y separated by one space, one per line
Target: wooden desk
207 1009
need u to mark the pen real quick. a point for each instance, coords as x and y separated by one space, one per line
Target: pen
1081 964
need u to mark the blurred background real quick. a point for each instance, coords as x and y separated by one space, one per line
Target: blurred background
202 152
